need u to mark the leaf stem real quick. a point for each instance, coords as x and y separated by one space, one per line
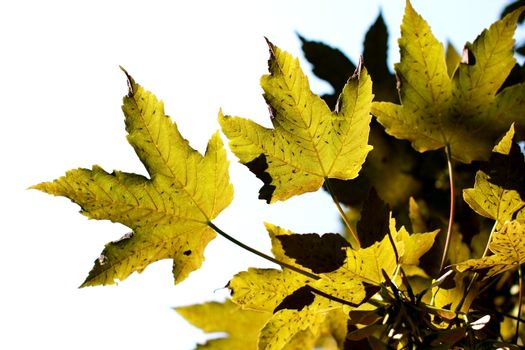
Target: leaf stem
262 255
476 275
391 239
452 209
348 225
520 298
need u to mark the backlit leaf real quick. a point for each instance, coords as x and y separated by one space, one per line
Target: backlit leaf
308 143
241 326
417 219
415 245
508 246
286 324
168 212
499 185
492 201
299 309
453 59
264 289
504 146
465 112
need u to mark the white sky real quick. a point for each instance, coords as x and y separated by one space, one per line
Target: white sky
61 92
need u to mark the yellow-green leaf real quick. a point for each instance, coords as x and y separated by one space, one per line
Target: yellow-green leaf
453 59
504 146
508 246
168 212
414 245
497 188
487 63
286 324
417 219
361 269
424 87
241 326
492 201
308 143
465 112
301 315
264 289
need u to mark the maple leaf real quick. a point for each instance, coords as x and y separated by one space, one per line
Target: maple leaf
498 187
348 279
309 143
466 112
241 326
389 156
508 246
168 212
299 310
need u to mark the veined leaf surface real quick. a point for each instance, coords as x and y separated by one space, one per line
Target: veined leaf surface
168 212
508 246
308 143
464 112
498 188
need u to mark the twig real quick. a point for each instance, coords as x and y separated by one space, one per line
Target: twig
262 255
290 267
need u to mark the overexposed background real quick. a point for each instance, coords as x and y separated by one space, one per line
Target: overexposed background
61 92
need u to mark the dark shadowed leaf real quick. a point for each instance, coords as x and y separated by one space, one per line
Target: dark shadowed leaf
375 220
318 253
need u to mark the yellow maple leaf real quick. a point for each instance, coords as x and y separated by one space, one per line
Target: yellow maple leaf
508 246
464 112
168 212
241 326
308 143
496 191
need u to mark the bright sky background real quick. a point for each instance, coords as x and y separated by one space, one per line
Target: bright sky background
61 92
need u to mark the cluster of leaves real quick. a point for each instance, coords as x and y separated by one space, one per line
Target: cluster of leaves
416 268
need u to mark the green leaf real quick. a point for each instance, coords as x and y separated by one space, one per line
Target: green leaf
465 112
308 142
508 247
168 212
241 326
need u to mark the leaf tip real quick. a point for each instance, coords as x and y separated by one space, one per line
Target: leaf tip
301 38
271 46
358 69
130 80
